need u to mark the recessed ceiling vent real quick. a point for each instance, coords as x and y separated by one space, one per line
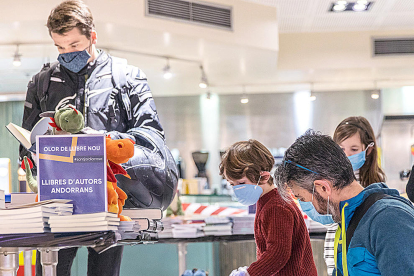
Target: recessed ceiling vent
393 46
190 11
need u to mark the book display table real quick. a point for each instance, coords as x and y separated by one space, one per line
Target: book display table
182 243
48 244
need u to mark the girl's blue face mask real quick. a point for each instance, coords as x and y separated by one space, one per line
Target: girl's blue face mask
248 194
358 160
310 210
74 61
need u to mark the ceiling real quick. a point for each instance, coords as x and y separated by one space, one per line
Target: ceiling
275 46
312 16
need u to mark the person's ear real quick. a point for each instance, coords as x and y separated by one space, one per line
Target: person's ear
94 37
370 148
264 177
323 187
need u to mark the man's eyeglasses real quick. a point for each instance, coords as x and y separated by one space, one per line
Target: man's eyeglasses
297 165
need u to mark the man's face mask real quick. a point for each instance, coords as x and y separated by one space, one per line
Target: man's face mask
310 210
358 160
248 194
74 61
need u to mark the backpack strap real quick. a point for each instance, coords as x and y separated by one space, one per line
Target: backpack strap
119 80
43 83
360 212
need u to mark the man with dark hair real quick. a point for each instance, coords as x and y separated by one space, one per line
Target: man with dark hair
376 225
114 98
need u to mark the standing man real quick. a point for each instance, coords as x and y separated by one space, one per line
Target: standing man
376 225
113 96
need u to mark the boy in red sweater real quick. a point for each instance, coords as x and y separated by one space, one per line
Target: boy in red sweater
282 241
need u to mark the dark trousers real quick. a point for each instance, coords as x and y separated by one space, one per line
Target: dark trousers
108 263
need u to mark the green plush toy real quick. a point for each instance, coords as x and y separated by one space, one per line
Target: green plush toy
66 120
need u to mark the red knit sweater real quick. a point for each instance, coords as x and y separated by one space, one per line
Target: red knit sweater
282 240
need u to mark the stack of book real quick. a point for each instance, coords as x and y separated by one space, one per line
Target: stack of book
147 222
103 221
34 217
243 225
17 199
188 230
168 227
129 230
217 226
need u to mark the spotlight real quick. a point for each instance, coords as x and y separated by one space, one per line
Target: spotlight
203 83
312 98
340 6
16 58
167 70
244 99
359 7
375 95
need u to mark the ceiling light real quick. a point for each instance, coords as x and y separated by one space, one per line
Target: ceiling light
359 7
167 70
312 97
339 7
203 82
355 6
375 95
244 99
16 58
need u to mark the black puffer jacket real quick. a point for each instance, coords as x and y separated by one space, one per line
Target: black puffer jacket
92 92
96 92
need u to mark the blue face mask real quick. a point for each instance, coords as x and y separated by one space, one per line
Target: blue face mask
74 61
248 194
310 210
358 160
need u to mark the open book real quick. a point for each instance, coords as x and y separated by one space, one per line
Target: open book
28 138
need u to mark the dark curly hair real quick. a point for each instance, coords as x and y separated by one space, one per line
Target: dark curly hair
311 157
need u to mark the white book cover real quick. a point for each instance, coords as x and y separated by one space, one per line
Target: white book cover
84 229
27 230
34 210
82 224
24 225
151 213
100 215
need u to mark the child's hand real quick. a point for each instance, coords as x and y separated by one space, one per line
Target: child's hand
241 271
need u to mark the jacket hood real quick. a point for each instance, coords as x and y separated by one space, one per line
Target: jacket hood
379 188
357 200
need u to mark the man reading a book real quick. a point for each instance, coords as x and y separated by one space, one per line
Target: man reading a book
113 96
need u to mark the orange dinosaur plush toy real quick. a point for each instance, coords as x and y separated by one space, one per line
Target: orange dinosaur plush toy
117 152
